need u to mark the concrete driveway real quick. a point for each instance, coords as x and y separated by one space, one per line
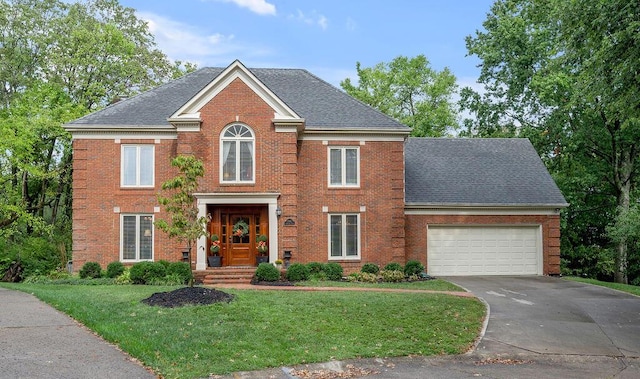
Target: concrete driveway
546 315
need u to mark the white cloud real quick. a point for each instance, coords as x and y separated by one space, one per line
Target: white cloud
180 41
314 19
261 7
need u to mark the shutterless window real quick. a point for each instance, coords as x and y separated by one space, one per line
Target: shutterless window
237 162
137 165
344 167
137 237
344 236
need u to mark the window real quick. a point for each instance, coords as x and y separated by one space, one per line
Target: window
344 167
137 166
344 236
136 239
237 155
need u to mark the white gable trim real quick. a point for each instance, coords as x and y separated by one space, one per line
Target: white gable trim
190 111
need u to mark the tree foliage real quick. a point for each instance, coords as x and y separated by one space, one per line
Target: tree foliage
565 75
184 223
58 61
410 91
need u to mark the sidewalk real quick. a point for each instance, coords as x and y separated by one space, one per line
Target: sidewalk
37 341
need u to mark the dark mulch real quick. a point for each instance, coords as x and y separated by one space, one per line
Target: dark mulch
188 296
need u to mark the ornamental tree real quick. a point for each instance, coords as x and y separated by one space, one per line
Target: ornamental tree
179 202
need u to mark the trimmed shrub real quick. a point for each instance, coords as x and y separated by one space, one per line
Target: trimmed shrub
182 270
315 267
370 268
267 272
413 268
393 266
392 276
115 269
364 277
146 272
297 272
124 278
91 270
333 271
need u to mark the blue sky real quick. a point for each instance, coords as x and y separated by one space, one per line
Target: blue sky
325 37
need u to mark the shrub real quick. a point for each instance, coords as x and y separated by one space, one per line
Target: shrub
267 272
168 280
124 278
393 266
413 268
182 270
146 272
115 269
315 267
370 268
333 271
91 270
297 272
392 276
365 277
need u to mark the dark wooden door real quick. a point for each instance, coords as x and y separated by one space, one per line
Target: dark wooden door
238 246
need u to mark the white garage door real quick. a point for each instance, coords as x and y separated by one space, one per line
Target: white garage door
473 250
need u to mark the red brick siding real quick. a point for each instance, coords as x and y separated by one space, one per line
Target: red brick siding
416 233
381 192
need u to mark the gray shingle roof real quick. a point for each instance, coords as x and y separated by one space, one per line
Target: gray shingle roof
474 171
322 105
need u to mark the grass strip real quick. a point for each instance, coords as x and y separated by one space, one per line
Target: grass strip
635 290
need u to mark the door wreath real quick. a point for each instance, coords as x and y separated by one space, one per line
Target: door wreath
240 228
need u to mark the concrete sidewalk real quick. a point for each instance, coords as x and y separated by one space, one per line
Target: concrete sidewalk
37 341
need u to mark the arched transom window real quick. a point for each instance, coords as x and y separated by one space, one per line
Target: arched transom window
237 156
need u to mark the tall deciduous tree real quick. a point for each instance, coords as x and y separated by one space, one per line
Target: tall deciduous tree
565 74
58 61
410 91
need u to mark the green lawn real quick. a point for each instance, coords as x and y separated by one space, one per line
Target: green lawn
432 285
267 328
617 286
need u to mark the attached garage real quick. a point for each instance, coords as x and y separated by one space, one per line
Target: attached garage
478 206
484 250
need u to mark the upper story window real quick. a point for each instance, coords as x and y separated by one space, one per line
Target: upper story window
344 167
137 166
237 156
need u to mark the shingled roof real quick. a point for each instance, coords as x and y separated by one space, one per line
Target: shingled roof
322 105
477 172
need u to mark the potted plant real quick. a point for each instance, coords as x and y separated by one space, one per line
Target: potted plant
263 249
278 263
215 260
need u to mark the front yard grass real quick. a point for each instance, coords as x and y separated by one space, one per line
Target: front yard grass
432 285
267 328
635 290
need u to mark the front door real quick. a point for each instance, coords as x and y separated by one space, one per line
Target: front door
238 229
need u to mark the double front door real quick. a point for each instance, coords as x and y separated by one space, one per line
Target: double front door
238 229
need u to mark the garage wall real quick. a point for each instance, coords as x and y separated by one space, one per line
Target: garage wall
416 233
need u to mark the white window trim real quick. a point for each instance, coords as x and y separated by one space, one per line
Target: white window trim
237 141
138 216
344 167
153 166
344 233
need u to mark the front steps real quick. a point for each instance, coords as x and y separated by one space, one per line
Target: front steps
230 274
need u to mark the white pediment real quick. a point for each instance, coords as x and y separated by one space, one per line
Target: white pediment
189 113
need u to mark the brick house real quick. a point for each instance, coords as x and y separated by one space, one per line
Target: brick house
323 176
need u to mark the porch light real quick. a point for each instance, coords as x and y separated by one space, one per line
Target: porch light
278 211
185 254
287 258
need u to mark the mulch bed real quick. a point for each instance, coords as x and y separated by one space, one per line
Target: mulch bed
188 296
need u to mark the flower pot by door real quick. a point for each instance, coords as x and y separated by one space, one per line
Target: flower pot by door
262 259
215 261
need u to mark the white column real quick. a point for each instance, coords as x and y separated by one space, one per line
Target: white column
201 246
